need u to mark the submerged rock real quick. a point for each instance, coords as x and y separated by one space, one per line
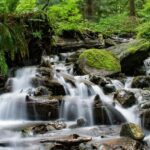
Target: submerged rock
41 90
105 114
141 82
132 130
125 98
98 62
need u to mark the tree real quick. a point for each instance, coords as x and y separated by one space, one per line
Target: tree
132 8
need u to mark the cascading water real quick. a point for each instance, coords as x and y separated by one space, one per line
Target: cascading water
147 66
13 105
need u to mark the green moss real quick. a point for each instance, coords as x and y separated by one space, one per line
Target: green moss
141 45
101 59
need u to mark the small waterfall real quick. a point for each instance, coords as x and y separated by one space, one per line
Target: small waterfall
147 65
13 105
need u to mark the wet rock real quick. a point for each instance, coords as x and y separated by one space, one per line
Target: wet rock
131 55
45 62
141 82
40 91
42 128
45 71
106 114
41 108
122 143
125 98
81 122
99 80
132 130
8 85
109 88
52 85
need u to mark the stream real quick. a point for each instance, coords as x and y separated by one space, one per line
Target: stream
78 109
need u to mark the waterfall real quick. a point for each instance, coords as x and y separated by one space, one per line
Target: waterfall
147 65
13 105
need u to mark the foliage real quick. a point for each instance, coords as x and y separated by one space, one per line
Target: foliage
26 6
117 24
101 59
65 15
143 30
12 41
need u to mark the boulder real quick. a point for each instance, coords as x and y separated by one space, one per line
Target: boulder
43 128
98 62
141 82
45 71
133 131
52 85
42 108
118 143
41 90
125 98
105 114
132 55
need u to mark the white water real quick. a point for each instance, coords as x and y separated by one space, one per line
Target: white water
147 66
13 105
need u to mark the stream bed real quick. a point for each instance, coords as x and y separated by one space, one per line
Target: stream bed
50 106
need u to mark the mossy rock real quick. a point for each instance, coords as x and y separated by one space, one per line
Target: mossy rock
132 130
98 62
132 55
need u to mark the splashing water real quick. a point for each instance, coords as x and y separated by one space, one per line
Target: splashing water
13 105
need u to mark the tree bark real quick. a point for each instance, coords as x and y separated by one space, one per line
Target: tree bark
132 8
88 9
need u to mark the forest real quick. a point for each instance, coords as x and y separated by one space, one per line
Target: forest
74 74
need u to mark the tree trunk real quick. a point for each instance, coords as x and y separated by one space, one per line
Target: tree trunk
132 8
89 9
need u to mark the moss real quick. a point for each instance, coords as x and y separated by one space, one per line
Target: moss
141 45
101 59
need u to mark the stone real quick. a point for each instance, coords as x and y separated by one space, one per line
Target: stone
52 85
41 90
133 131
109 88
98 62
125 98
45 62
105 114
45 71
42 108
141 82
131 55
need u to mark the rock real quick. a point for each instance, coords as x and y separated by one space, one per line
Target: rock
131 55
109 88
9 84
52 85
132 130
42 128
121 143
98 62
42 108
141 82
81 122
125 98
74 40
41 90
45 71
45 62
105 114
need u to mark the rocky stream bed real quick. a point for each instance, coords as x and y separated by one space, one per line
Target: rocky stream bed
64 104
